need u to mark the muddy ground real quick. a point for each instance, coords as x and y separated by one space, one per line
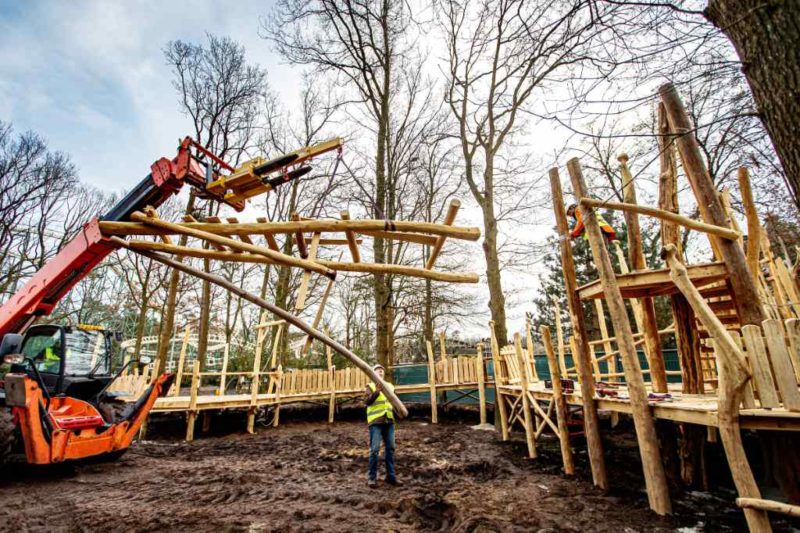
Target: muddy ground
307 475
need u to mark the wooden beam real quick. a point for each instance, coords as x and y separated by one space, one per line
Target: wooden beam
656 282
271 242
277 257
769 505
479 374
432 383
499 380
351 240
748 303
331 381
405 236
371 268
400 409
181 362
243 238
449 218
192 411
581 353
725 233
302 292
109 228
300 238
655 478
655 356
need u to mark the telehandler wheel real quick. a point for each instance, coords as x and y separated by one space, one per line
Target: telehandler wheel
7 433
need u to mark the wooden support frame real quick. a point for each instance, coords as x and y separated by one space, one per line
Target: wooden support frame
432 382
526 408
560 402
449 219
479 372
655 477
581 352
351 240
499 379
192 412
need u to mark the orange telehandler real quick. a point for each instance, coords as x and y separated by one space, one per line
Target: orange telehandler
55 402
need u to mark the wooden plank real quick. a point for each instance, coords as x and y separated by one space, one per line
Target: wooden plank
782 364
192 411
793 332
748 395
759 363
652 282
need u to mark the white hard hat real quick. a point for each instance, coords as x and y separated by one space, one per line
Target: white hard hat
376 367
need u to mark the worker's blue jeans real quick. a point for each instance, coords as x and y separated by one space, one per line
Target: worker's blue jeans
378 433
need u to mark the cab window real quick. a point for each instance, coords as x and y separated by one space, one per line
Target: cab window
44 347
85 350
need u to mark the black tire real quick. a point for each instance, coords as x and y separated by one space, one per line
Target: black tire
7 433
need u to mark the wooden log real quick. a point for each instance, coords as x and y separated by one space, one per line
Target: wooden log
446 374
499 380
331 385
278 392
432 383
748 304
560 401
403 236
655 478
719 231
277 257
370 268
307 226
449 218
769 505
526 408
479 374
591 422
181 362
351 240
400 409
254 383
271 242
753 224
299 238
319 313
733 375
192 412
224 374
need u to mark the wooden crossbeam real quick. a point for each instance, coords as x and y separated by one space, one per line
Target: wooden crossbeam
271 242
243 238
449 218
108 228
302 293
351 240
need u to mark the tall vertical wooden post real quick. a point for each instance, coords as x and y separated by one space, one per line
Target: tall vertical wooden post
652 341
561 403
192 413
432 383
560 338
499 379
654 475
745 293
331 380
181 362
533 376
223 376
590 420
479 373
692 444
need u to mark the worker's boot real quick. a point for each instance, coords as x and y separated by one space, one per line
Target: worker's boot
372 483
394 482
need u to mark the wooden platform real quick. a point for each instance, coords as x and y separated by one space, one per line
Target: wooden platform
686 408
655 282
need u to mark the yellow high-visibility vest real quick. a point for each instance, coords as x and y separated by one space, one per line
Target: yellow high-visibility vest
380 406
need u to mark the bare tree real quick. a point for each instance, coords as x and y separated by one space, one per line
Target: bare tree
499 53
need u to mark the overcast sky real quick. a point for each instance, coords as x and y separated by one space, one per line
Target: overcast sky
90 76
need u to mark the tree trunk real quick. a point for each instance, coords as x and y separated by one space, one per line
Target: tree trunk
766 36
497 300
168 316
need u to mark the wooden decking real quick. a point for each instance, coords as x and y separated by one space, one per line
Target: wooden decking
650 283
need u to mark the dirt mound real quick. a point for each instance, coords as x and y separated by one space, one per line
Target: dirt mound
311 476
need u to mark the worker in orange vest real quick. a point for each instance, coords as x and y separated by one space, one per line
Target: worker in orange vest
580 229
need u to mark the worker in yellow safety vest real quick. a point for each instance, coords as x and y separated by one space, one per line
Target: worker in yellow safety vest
580 229
380 418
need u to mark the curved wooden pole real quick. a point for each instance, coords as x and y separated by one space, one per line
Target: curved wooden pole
400 409
719 231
